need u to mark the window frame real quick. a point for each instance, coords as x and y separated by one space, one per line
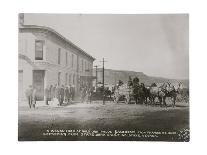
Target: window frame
72 60
42 50
59 56
66 58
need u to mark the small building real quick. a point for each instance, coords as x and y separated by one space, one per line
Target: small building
48 58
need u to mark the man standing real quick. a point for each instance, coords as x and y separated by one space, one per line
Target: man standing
29 95
47 95
89 94
70 93
34 98
54 92
67 95
83 94
61 95
50 92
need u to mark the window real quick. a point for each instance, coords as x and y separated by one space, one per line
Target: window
74 79
88 68
59 55
59 73
66 58
82 65
72 59
70 79
39 49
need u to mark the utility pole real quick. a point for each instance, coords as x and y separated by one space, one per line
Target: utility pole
96 76
103 82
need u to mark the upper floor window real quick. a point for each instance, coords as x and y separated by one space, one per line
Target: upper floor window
59 55
69 79
82 65
66 78
73 78
59 73
72 59
39 49
66 58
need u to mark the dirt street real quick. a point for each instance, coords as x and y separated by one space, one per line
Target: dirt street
96 116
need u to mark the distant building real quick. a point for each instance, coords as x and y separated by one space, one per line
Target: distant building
48 58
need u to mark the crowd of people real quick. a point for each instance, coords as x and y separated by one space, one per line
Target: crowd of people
58 94
62 94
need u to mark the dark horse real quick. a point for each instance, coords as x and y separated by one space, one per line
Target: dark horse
138 91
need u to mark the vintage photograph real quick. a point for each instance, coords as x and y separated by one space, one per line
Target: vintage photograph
103 77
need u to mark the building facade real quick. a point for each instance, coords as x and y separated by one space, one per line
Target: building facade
47 58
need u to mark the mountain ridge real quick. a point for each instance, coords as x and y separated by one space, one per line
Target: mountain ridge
112 76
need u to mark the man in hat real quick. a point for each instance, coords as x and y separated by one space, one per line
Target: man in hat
34 97
47 95
28 94
61 93
67 95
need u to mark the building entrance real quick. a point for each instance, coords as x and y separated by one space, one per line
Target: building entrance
38 83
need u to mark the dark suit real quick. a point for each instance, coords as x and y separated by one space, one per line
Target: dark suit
67 94
29 96
60 95
47 95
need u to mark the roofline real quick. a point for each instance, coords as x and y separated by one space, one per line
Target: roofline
58 34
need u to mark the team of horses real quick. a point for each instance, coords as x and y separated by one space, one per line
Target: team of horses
139 93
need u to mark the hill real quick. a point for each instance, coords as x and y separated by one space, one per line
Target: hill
112 77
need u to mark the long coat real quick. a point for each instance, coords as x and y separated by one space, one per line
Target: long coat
61 92
47 93
67 93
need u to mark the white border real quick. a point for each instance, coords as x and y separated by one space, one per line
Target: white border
9 86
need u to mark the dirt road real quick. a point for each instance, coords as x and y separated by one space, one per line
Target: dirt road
95 116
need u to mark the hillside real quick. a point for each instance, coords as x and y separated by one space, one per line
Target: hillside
112 77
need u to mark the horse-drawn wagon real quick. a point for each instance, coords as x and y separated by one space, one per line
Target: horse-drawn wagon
123 92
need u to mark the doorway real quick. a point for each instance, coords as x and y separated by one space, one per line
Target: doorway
38 83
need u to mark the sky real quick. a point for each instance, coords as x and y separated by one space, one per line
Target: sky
154 44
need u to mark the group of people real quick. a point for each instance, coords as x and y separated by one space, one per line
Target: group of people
59 94
63 94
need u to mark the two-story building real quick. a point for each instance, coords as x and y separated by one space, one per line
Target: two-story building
48 58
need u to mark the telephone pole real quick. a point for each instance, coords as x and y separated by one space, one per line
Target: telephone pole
103 82
96 75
